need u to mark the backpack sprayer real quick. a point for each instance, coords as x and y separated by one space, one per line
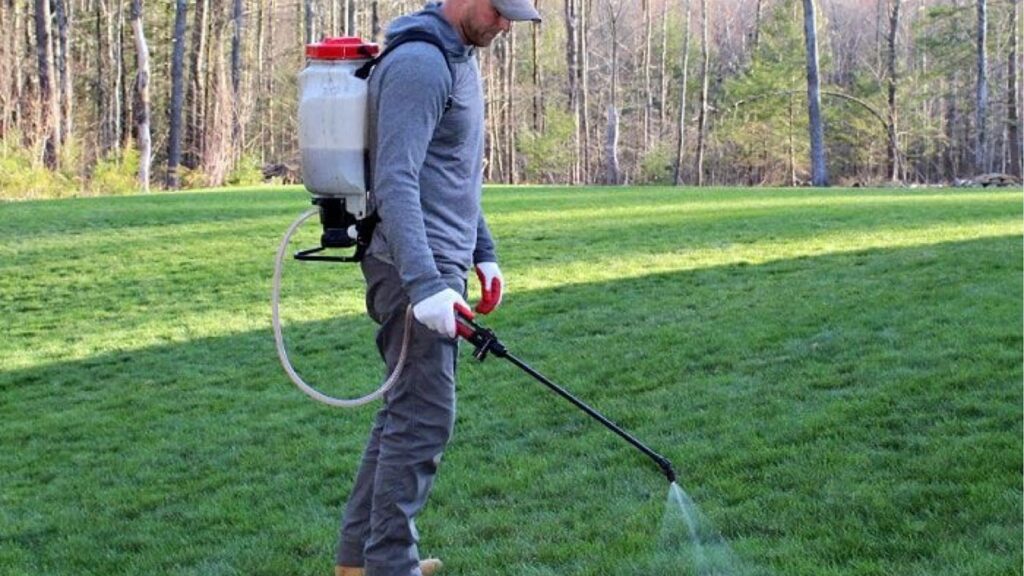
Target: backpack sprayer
333 140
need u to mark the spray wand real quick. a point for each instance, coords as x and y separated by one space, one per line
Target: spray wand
486 342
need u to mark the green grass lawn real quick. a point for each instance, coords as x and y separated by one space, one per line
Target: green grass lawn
836 374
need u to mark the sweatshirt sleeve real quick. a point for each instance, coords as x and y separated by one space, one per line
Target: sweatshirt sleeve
484 251
414 84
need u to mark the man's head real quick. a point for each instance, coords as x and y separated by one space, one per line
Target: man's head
480 21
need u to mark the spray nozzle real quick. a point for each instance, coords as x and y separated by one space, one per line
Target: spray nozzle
666 468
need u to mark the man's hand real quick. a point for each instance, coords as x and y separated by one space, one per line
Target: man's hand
490 286
437 312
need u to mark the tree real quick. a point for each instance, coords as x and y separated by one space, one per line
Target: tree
237 133
583 81
228 97
50 120
64 68
510 109
538 100
981 161
197 86
677 174
613 173
177 94
894 23
645 66
311 21
702 118
142 133
572 77
1012 115
819 171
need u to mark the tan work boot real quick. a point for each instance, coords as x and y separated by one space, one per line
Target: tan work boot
428 567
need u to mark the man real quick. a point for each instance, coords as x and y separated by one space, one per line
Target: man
427 137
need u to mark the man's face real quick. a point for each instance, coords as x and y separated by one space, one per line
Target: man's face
483 23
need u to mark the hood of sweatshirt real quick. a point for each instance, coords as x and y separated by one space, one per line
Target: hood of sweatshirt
432 21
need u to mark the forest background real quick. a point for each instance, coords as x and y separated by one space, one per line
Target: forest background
116 96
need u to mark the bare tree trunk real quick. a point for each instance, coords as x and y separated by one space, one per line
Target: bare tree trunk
124 103
217 133
703 110
663 73
879 10
1012 114
613 174
951 120
311 21
104 136
8 65
510 107
572 66
645 64
177 94
538 102
981 160
819 170
375 24
64 68
196 89
792 146
271 70
29 81
50 125
142 95
893 156
758 15
13 107
677 176
490 114
584 84
237 126
498 109
350 18
11 68
262 97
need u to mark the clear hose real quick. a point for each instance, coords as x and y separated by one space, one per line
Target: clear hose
282 352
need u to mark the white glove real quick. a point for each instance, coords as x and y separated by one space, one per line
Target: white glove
491 282
437 312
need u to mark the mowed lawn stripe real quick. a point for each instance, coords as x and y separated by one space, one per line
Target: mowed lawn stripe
835 373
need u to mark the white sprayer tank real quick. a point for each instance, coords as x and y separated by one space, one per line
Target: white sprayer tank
332 120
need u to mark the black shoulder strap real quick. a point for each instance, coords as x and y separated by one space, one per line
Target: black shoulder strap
403 38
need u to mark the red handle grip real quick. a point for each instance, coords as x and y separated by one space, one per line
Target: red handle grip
461 328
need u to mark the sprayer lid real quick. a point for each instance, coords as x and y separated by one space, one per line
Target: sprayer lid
347 48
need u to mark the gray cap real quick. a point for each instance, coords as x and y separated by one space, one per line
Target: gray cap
517 10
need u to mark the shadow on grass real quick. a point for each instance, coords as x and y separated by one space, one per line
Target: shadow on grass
834 412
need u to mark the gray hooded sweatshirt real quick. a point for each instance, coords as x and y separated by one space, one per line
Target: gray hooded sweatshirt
426 163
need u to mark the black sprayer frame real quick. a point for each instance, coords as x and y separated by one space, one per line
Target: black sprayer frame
485 342
336 221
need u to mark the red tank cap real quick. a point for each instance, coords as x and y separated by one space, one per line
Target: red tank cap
347 48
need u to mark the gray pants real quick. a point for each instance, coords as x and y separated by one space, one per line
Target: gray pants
410 433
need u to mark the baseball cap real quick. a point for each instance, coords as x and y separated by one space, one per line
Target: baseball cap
517 10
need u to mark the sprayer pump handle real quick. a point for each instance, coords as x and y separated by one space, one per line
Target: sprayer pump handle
464 326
